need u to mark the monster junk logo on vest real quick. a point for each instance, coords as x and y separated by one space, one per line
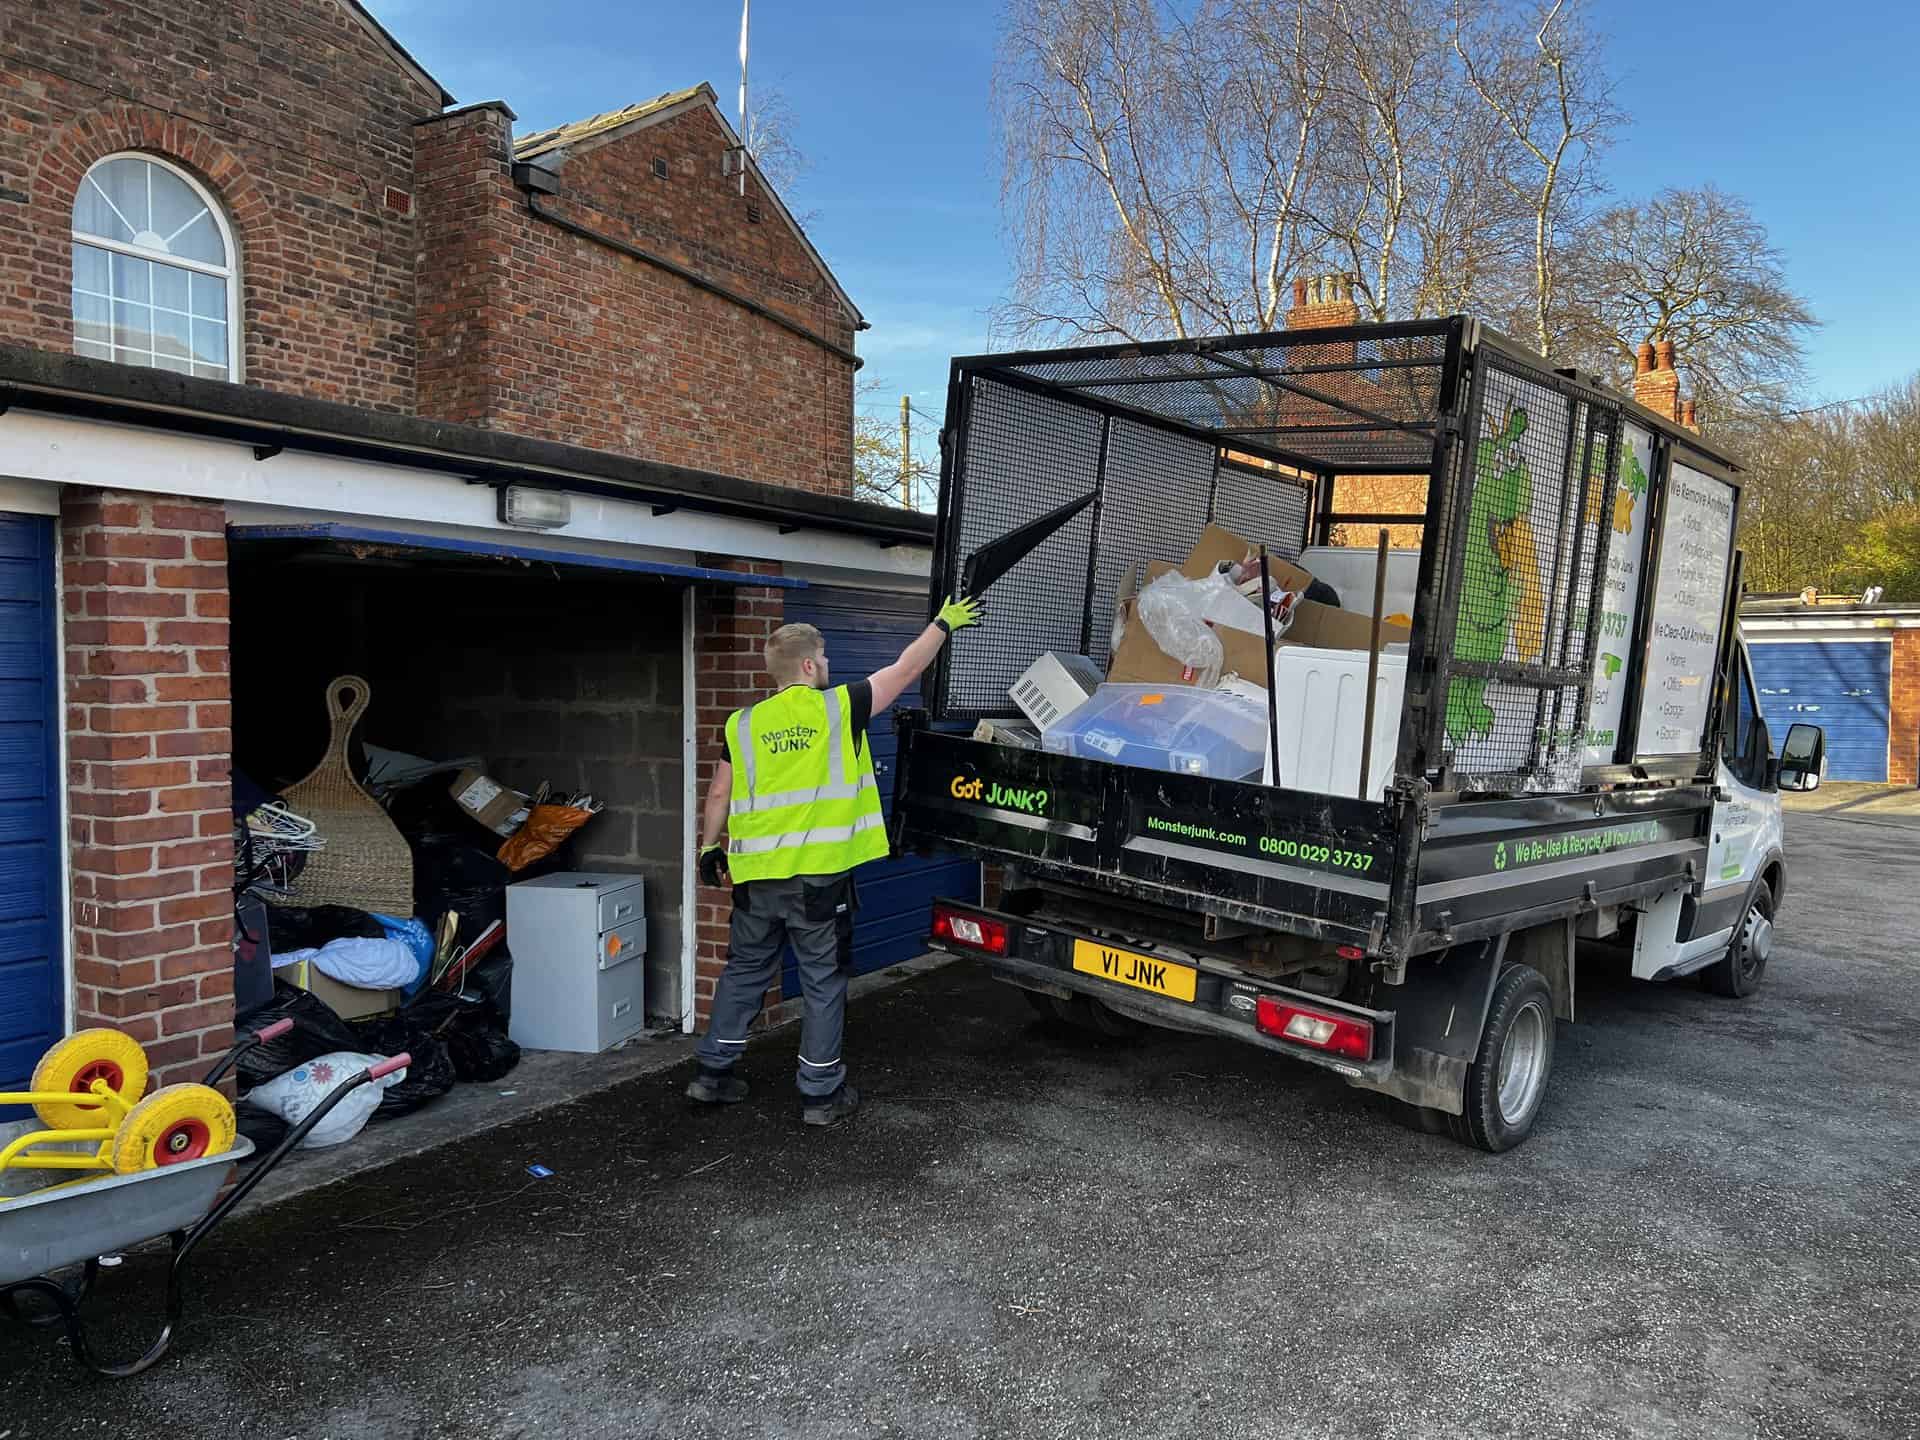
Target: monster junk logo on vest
789 740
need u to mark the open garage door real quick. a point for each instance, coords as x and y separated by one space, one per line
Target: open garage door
1843 685
864 630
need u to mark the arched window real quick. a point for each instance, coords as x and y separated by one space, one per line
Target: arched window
153 271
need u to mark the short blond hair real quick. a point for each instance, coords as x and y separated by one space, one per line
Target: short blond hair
788 646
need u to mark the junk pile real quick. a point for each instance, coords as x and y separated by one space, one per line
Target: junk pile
370 913
1186 689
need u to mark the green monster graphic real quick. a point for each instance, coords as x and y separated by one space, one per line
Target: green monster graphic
1500 594
1633 488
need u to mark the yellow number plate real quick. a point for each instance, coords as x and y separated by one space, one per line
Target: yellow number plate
1142 972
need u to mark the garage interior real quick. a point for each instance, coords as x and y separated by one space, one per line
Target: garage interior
553 672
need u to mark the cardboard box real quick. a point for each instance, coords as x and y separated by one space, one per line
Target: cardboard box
1138 659
501 810
349 1002
1217 543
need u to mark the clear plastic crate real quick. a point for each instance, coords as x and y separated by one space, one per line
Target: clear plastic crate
1181 728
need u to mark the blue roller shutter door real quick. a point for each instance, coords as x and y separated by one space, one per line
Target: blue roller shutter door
864 630
32 976
1845 686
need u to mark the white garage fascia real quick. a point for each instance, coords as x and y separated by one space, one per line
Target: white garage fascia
41 450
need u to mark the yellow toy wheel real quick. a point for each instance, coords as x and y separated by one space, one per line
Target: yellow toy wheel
171 1126
75 1063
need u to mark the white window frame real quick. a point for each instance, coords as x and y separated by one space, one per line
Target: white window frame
230 272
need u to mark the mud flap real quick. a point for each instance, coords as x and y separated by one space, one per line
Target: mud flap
1438 1014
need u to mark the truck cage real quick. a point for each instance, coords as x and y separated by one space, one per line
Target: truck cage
1108 455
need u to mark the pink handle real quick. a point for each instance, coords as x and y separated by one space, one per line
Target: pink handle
272 1032
387 1067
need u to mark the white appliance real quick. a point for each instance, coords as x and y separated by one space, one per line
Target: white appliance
1349 569
1322 707
1053 687
579 943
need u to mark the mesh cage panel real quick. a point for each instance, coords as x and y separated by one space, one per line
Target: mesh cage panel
1023 456
1264 507
1153 506
1332 397
1521 512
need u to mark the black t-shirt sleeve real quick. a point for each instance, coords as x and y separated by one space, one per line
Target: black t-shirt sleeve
860 697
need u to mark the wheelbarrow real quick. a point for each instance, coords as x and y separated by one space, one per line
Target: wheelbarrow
176 1195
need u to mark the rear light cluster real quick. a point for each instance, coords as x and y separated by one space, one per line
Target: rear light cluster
1322 1029
975 932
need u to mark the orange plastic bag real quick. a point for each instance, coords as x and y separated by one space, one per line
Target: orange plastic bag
540 836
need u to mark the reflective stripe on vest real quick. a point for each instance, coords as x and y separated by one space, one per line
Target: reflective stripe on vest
794 810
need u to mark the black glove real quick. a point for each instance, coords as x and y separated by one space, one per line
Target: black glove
713 866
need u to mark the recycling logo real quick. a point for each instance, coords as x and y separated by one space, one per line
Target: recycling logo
1500 855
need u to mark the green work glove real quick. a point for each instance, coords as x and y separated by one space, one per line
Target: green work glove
958 613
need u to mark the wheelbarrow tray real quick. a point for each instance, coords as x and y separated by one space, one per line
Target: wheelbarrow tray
47 1230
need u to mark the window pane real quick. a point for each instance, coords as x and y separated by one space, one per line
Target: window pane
210 342
98 352
133 327
124 183
181 221
92 316
209 296
90 269
177 363
106 187
131 279
170 287
172 336
210 372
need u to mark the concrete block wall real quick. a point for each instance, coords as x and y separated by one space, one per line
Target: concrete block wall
149 745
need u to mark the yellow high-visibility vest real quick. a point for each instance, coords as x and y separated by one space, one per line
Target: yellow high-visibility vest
805 801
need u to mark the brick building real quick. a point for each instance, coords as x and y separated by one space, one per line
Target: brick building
291 348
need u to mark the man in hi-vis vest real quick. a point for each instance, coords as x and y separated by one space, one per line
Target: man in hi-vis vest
797 796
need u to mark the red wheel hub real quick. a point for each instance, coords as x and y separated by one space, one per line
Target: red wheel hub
184 1140
105 1070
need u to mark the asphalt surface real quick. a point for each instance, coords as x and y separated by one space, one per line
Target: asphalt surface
1713 1232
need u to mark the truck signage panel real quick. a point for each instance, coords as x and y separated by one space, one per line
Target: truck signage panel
1696 547
1626 512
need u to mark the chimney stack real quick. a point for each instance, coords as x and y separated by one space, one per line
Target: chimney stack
1657 383
1321 301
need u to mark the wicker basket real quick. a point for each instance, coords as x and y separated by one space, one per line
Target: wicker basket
365 862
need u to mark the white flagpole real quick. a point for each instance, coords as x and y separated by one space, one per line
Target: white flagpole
745 6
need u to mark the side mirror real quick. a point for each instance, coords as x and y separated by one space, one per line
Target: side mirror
1803 757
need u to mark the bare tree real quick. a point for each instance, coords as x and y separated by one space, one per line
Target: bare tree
1547 84
769 139
877 473
1694 267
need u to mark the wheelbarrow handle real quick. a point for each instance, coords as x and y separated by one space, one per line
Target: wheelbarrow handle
243 1043
273 1031
387 1067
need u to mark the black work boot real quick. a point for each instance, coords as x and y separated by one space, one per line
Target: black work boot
830 1109
717 1087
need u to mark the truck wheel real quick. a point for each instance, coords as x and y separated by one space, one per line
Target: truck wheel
1083 1012
1737 973
1508 1077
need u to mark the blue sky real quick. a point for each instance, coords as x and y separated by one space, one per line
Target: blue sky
1812 114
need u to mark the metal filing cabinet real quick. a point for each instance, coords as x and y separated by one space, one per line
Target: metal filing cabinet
579 943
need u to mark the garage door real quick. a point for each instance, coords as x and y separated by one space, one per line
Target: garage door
1842 685
32 979
864 630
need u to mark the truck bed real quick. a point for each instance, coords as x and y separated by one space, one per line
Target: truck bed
1397 878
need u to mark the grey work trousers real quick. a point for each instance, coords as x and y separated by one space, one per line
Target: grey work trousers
815 912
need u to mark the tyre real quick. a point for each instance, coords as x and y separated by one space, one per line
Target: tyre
1083 1012
1508 1077
75 1063
172 1126
1737 973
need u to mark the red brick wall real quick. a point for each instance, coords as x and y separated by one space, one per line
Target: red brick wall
527 327
1903 737
730 628
149 743
287 110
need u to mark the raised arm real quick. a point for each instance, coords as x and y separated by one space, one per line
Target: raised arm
892 680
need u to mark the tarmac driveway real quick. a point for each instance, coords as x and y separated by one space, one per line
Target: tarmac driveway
1712 1233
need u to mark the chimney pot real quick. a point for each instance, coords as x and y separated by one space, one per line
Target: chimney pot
1664 353
1687 416
1299 292
1643 358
